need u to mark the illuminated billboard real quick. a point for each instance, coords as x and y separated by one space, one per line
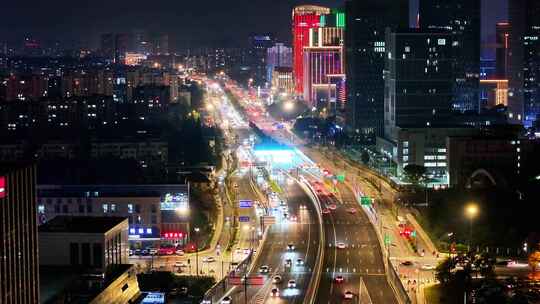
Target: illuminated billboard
2 186
175 201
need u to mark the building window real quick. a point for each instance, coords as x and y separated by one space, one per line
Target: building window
405 144
441 157
405 151
130 208
74 254
148 230
41 209
405 158
105 208
113 207
97 254
65 209
139 220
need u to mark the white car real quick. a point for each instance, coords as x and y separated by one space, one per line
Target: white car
180 252
348 294
264 269
277 279
299 262
290 246
275 292
179 264
341 245
427 267
209 259
291 284
226 300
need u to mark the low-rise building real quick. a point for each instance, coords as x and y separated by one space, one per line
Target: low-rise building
153 212
86 242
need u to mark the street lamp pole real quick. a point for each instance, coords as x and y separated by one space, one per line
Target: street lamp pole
197 250
471 211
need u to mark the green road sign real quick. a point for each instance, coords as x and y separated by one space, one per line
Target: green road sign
365 200
387 239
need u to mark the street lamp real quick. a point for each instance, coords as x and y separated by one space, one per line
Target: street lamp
471 211
288 106
196 229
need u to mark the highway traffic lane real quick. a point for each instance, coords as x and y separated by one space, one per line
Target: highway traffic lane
361 258
304 234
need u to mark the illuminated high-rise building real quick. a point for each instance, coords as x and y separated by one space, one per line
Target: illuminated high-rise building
524 68
304 18
366 22
462 19
279 55
323 63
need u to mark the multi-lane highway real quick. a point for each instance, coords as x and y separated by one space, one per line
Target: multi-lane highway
303 234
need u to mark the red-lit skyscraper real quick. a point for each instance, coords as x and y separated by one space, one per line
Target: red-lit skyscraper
304 18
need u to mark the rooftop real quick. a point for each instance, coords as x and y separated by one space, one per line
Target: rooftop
85 191
81 224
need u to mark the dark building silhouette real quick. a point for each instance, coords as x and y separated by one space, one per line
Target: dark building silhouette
257 58
524 72
418 79
365 53
19 267
502 53
462 19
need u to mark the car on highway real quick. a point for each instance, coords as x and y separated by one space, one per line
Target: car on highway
407 263
427 267
332 207
348 294
246 250
341 245
293 218
264 269
303 207
290 246
291 284
339 279
166 251
152 251
209 259
288 263
180 252
326 211
299 262
179 264
275 292
131 252
352 210
276 279
226 300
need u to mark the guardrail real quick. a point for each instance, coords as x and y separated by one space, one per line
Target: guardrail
391 276
220 289
311 293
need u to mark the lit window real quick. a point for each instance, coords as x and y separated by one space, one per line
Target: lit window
113 207
105 208
41 209
148 230
441 150
405 151
132 230
141 230
130 208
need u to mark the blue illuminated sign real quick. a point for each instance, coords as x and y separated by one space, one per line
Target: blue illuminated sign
243 219
246 203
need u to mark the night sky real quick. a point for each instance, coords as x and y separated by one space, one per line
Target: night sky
189 23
